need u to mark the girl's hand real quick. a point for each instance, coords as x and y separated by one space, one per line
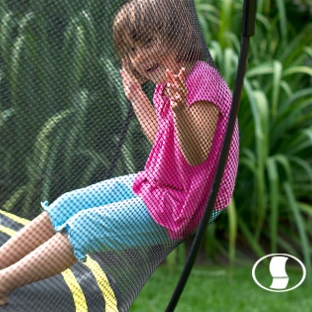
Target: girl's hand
131 85
177 90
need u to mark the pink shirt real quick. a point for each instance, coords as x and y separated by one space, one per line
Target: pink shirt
175 192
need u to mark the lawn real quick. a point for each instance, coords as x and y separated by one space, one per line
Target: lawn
220 289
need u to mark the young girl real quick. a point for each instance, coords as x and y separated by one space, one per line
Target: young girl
157 42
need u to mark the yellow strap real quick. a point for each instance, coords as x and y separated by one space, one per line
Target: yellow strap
78 295
6 230
104 285
15 218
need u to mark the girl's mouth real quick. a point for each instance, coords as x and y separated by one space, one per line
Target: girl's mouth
152 69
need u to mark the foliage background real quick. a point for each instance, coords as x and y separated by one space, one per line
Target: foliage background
55 73
271 211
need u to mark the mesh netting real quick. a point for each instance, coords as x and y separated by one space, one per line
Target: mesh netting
87 105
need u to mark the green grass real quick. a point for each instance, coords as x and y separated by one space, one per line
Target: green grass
219 289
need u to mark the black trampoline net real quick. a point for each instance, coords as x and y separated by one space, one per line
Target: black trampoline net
112 116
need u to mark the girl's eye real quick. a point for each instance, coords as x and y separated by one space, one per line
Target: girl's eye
132 49
149 40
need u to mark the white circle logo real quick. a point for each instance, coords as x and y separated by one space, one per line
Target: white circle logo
270 272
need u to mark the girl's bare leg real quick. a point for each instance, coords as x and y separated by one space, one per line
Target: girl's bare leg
26 240
49 259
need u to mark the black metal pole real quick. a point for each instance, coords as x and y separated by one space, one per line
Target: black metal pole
248 29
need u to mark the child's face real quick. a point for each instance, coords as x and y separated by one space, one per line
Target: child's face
151 58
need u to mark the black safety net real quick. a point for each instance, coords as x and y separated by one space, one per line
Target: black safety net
86 101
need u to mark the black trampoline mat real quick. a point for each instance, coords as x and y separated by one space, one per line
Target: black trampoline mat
83 287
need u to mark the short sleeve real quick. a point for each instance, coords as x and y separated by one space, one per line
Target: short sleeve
205 83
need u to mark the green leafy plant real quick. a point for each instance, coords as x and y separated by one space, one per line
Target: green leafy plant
62 103
274 183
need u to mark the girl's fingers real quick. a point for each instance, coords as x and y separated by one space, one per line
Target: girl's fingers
172 84
127 72
125 64
178 79
124 74
176 83
176 88
181 76
182 73
169 76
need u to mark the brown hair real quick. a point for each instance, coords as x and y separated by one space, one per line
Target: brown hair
171 20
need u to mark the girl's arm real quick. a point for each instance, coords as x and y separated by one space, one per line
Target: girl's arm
195 125
141 105
195 128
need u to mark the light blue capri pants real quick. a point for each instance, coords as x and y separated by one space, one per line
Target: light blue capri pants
105 216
